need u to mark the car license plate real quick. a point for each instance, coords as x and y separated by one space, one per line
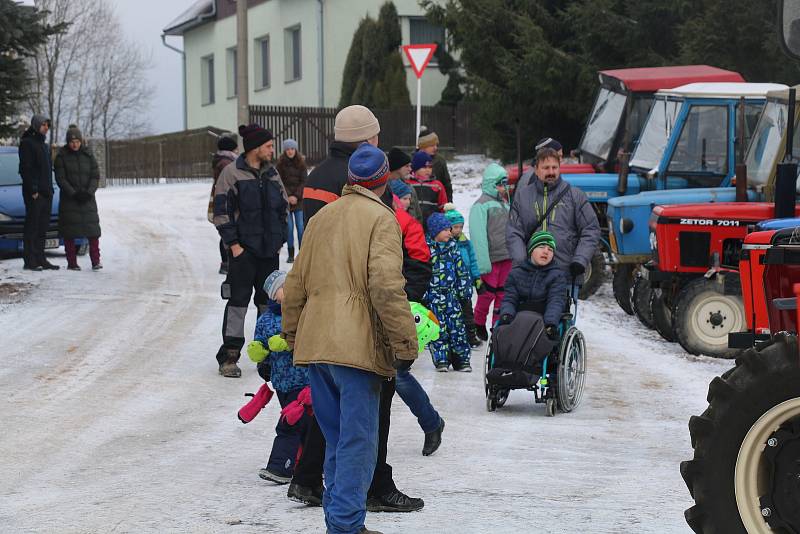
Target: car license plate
51 243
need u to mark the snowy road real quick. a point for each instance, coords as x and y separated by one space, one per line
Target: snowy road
114 418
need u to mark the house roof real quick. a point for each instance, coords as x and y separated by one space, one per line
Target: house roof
652 79
724 90
194 16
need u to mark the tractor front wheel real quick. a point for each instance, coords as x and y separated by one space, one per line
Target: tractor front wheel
661 312
703 316
743 477
642 291
594 277
622 285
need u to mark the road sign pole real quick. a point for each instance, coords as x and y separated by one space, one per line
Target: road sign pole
419 109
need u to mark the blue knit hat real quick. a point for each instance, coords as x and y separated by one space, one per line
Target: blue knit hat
438 222
273 283
453 215
420 159
368 167
400 188
288 143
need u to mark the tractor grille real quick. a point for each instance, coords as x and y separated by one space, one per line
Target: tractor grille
695 248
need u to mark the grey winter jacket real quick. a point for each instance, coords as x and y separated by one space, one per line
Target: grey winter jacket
572 222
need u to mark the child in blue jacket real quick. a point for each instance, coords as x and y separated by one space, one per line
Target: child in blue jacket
468 256
287 380
450 285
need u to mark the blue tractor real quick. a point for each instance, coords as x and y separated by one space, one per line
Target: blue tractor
685 154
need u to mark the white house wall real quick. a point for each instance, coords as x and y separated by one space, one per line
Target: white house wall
341 17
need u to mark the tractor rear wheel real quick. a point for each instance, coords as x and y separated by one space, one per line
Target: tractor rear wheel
703 316
662 314
594 277
641 301
622 285
744 473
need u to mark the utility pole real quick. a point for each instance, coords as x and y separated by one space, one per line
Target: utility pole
242 81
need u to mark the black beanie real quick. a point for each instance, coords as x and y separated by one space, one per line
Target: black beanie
397 159
228 141
253 136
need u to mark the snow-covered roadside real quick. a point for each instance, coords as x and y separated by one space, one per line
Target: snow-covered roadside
114 417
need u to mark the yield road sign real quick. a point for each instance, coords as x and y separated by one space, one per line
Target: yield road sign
419 55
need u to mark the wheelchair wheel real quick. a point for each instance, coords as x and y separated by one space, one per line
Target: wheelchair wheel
491 402
502 397
571 370
486 368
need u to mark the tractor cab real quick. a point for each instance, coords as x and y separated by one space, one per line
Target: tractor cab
620 109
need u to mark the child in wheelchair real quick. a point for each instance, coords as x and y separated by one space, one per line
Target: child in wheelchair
535 299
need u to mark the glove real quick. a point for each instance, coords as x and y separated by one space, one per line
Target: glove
402 365
295 410
257 352
504 319
576 269
479 287
249 411
277 344
551 332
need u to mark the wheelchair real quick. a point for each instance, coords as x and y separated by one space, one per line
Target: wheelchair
520 356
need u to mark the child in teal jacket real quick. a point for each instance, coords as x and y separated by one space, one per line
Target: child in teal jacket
471 262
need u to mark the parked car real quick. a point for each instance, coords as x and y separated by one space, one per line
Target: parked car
12 208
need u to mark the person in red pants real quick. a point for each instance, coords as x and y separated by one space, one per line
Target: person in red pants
78 176
488 219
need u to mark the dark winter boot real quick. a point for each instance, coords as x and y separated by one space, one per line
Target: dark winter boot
305 494
396 501
227 366
290 259
473 340
481 333
433 440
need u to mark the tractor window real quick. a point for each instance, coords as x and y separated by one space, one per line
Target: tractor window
752 112
639 112
763 150
701 154
604 120
655 135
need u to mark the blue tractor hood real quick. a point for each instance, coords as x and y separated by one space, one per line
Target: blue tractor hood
629 216
778 224
602 186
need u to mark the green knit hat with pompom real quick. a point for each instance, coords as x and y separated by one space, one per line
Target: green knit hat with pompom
541 238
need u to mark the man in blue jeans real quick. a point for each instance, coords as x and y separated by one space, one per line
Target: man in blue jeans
346 316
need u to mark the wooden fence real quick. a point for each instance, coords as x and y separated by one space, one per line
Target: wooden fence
179 155
312 127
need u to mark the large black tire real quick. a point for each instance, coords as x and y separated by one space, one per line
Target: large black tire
594 277
732 442
642 291
661 311
703 316
622 285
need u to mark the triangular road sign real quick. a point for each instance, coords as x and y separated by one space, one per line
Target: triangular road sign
419 55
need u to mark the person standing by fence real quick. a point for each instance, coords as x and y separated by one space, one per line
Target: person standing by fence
250 208
428 142
227 152
293 171
78 176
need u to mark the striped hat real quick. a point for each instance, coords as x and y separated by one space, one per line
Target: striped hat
368 167
273 283
541 238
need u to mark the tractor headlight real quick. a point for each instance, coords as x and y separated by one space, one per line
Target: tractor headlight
625 225
5 218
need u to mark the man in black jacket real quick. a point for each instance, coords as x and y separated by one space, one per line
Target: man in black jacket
36 169
353 126
250 210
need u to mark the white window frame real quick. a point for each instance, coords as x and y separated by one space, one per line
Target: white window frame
207 89
231 71
433 62
290 54
258 48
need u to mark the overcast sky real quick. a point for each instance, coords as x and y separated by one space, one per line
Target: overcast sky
143 21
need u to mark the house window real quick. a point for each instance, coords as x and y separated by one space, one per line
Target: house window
262 62
207 79
232 72
293 59
421 31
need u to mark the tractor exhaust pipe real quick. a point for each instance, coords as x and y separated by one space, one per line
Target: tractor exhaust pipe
741 167
786 176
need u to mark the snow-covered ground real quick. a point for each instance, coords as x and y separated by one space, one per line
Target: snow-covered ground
114 418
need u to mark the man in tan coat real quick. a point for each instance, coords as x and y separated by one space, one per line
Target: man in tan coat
347 317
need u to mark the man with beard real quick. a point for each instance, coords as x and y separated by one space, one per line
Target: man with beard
548 203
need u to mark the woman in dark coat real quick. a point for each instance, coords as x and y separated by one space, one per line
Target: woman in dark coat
293 171
77 176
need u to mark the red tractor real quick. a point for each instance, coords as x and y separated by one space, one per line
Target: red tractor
745 474
691 291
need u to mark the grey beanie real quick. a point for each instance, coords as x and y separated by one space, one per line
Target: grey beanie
273 283
73 132
289 143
